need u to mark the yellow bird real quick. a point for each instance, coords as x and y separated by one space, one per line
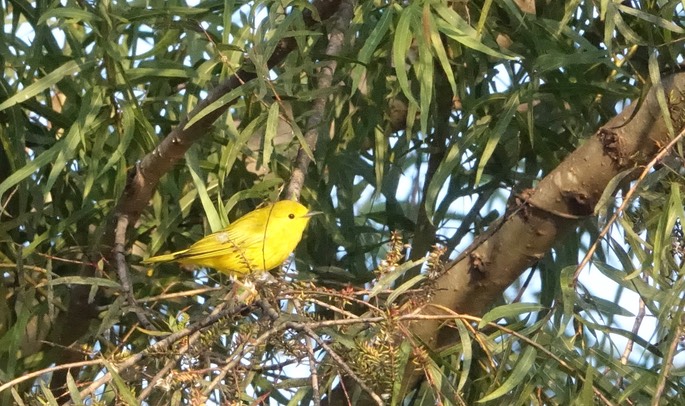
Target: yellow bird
258 241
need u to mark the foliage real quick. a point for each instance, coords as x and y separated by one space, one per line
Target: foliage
437 113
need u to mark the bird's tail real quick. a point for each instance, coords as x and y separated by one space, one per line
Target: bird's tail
164 258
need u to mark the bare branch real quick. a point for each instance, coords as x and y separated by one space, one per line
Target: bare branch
325 79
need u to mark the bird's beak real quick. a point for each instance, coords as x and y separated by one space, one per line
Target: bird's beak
313 213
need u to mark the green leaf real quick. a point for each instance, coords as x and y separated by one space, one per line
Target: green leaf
386 281
380 152
603 306
402 41
30 168
217 104
439 50
124 392
85 280
269 134
425 71
609 191
404 287
45 82
451 24
569 296
145 73
448 164
193 163
74 15
370 45
466 354
655 77
522 370
73 390
49 397
652 19
509 310
496 133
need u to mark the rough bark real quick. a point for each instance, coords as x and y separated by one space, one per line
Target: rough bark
560 201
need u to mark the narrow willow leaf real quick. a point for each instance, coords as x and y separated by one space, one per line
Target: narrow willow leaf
217 104
269 134
466 354
603 6
404 287
88 123
74 15
662 234
402 41
451 24
647 292
128 130
655 77
30 168
17 398
439 49
123 391
652 19
370 45
448 164
112 314
49 397
258 191
303 142
45 82
521 371
496 134
136 74
193 164
85 280
601 305
73 390
380 153
621 332
170 37
569 296
626 31
386 281
608 193
425 71
405 352
509 310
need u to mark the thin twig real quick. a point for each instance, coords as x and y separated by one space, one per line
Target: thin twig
184 293
626 200
44 371
7 202
161 345
667 361
338 360
636 327
313 372
122 270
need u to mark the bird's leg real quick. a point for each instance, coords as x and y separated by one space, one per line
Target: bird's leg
243 292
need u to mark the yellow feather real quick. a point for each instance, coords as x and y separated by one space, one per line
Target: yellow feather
259 241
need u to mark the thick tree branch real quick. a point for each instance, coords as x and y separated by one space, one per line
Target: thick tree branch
568 194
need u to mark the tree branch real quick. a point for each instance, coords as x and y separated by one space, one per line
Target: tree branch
144 177
336 40
561 200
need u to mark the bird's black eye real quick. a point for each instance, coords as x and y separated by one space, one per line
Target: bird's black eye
291 216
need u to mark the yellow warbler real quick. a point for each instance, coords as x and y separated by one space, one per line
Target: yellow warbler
258 241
